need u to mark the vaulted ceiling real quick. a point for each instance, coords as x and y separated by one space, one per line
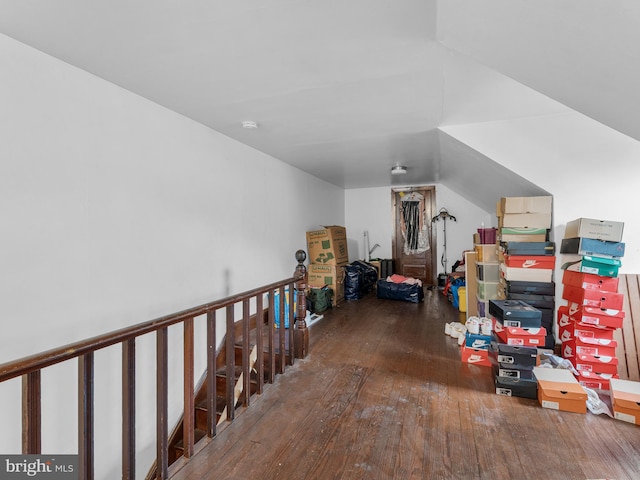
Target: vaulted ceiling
346 89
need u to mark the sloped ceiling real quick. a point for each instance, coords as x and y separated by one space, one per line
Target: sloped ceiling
345 90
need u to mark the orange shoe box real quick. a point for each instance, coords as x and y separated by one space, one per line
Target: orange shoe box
530 261
580 345
558 389
625 396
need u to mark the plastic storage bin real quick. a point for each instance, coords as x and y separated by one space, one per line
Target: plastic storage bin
487 290
488 272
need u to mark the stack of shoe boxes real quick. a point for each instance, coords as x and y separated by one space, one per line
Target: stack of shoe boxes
513 352
527 257
591 259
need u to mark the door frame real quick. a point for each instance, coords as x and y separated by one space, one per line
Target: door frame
428 214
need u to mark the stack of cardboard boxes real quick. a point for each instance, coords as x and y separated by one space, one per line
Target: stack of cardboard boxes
527 257
586 325
328 254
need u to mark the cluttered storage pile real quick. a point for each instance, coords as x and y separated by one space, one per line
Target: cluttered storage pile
328 256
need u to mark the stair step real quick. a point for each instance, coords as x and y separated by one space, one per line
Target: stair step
179 446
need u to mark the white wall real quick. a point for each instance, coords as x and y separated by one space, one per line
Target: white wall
371 209
114 211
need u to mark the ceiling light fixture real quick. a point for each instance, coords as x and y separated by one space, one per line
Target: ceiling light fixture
398 170
249 124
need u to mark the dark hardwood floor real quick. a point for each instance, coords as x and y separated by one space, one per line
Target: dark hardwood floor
383 395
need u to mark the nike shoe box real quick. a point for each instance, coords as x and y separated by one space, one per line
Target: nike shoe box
516 387
515 313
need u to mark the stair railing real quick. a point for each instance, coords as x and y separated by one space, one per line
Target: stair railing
30 367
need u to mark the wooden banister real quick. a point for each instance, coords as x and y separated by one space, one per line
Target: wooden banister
30 368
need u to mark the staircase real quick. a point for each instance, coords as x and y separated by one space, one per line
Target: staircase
176 441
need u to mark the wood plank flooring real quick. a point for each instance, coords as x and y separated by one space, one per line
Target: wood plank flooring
383 395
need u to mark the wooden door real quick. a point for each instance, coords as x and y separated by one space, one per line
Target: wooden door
414 242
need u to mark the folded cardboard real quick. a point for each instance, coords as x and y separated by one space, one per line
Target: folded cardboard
515 313
516 387
589 280
526 274
596 316
625 398
530 261
328 245
558 389
591 246
580 345
537 204
528 248
593 298
600 364
606 267
593 228
475 356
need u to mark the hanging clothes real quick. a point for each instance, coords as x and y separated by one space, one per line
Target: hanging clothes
414 227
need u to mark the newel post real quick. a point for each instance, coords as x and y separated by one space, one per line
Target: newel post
301 332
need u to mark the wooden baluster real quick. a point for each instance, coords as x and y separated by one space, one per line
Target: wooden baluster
271 328
231 363
260 342
129 409
162 389
281 331
85 416
292 315
31 413
301 330
211 374
188 421
246 351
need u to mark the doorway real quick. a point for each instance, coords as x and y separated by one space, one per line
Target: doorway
413 241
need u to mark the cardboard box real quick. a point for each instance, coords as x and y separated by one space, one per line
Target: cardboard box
595 364
539 204
529 288
569 328
526 274
476 340
523 337
595 381
475 356
516 387
580 345
625 397
595 316
589 280
512 356
597 229
515 230
530 261
328 246
515 313
330 275
606 267
528 248
523 238
558 389
593 298
590 246
526 220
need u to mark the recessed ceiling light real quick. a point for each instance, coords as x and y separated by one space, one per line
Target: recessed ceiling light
398 170
249 124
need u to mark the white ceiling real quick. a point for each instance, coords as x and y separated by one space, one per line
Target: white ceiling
346 89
